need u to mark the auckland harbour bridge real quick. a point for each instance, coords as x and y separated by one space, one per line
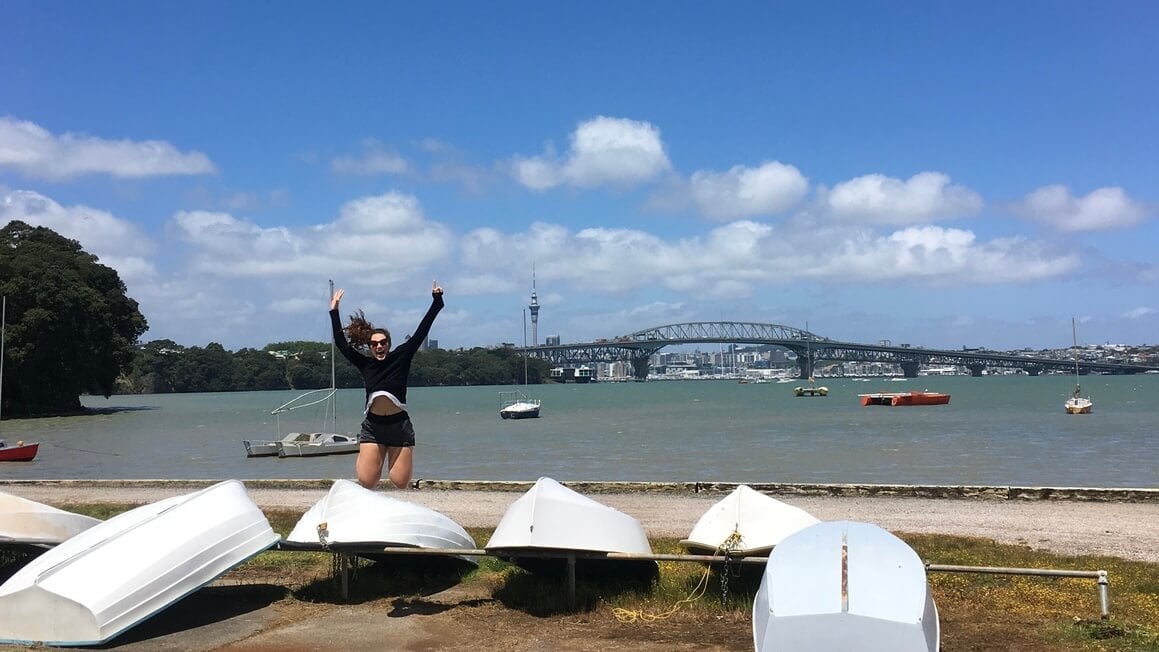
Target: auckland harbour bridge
638 347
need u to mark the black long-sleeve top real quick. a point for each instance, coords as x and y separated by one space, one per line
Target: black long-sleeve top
390 374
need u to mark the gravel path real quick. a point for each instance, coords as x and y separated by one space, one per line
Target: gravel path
1129 530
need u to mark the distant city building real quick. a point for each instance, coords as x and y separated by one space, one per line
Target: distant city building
552 340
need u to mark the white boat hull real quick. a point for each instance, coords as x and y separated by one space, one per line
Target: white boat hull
520 411
1078 405
552 518
844 585
29 523
745 522
353 516
319 443
113 575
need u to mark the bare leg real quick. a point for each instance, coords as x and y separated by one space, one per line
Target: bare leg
368 466
400 465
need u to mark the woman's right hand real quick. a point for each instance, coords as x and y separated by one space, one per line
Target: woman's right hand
336 298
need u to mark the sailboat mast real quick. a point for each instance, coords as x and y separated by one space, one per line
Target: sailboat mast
525 346
333 377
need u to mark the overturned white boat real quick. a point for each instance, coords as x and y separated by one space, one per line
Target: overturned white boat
746 522
550 520
844 585
353 517
26 522
117 573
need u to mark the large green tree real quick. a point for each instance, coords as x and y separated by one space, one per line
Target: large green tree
71 327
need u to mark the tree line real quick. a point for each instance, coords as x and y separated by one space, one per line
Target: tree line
163 366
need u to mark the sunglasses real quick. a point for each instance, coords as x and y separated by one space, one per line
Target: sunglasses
379 342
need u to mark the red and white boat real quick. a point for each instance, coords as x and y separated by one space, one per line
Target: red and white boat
904 398
21 452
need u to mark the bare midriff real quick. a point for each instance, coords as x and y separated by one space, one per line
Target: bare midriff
383 406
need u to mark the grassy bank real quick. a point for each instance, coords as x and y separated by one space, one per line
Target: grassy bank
977 611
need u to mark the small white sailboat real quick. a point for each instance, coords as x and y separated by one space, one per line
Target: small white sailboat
308 444
1077 403
26 522
113 575
746 522
550 517
352 516
845 585
516 404
811 389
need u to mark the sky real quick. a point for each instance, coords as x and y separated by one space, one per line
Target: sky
938 174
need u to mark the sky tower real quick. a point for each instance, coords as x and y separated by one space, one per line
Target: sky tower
534 311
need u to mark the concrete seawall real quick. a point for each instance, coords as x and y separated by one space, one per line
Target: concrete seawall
948 492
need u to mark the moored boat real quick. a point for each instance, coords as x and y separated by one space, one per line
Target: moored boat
1077 403
555 519
113 575
21 452
26 522
516 405
746 522
313 444
904 398
845 585
352 516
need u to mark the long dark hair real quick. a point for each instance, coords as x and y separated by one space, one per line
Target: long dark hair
360 329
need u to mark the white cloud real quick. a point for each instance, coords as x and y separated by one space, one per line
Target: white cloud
743 192
604 152
1103 209
35 152
118 243
375 240
375 160
878 199
1139 313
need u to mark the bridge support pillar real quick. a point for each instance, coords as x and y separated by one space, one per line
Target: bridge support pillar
640 368
804 367
910 368
1034 370
976 369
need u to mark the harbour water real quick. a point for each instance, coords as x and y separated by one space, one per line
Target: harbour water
997 430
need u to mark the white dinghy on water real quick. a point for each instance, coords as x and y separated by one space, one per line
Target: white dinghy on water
746 522
351 516
844 585
25 523
112 576
552 519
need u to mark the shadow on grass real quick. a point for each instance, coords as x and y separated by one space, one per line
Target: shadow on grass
541 587
388 576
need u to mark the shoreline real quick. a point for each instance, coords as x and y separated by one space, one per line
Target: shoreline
1113 522
933 492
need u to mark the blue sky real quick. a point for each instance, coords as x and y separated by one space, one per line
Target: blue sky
940 174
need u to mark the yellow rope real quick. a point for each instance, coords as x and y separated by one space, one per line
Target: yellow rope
730 544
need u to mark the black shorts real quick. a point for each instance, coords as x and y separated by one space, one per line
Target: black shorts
393 430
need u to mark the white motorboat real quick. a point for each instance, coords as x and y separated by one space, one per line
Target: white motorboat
113 575
845 585
26 522
554 519
313 444
351 516
516 405
746 522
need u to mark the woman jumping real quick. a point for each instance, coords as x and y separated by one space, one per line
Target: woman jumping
387 434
